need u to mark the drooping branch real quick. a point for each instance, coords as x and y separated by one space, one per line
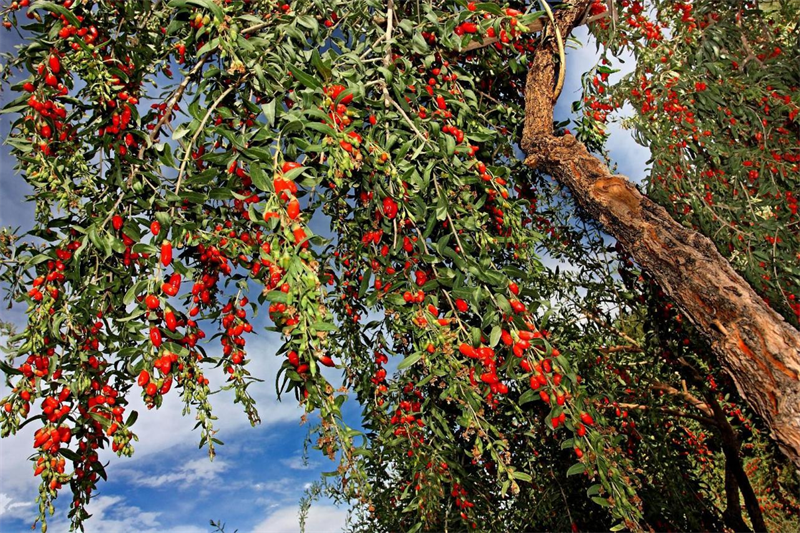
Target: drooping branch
734 469
755 345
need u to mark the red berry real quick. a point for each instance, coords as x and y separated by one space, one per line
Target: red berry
166 253
155 337
289 165
467 350
55 64
151 300
169 318
335 90
389 208
293 210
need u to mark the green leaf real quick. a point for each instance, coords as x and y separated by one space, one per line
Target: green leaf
58 9
8 369
577 468
277 296
602 502
418 44
522 476
180 132
488 7
450 144
362 290
528 396
69 454
410 360
130 295
207 4
320 65
269 111
132 418
258 177
306 79
494 337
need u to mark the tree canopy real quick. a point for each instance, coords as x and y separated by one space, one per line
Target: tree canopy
179 151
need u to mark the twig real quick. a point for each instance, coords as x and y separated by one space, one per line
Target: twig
622 334
621 348
680 414
189 147
687 396
176 96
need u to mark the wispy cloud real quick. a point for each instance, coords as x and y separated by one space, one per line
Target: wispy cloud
185 476
112 514
298 462
322 518
12 508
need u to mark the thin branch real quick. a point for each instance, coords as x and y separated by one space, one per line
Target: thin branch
176 96
621 348
562 60
687 396
593 318
665 410
189 147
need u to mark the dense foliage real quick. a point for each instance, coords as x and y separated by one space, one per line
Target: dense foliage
178 152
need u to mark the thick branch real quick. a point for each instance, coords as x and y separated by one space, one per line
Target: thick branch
758 349
733 508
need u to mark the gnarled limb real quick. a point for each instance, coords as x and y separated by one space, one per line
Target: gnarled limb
755 345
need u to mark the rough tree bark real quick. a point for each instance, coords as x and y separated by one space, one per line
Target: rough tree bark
755 345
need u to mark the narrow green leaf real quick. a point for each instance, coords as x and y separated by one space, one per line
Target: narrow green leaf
577 468
305 78
410 360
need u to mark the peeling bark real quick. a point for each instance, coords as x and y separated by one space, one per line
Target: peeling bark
755 345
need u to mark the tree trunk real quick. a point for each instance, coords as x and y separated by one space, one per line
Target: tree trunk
754 344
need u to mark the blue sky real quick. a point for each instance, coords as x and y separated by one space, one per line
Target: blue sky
258 477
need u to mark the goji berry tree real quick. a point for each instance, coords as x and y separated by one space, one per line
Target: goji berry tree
178 152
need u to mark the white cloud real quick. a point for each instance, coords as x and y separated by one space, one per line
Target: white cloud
282 488
167 427
321 519
110 514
